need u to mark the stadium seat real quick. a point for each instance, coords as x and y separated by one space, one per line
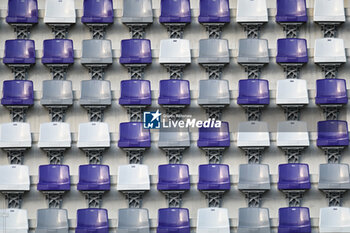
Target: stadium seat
136 51
58 51
173 220
14 221
253 92
293 176
92 220
60 12
133 177
292 92
174 137
334 219
54 178
174 51
214 11
292 134
22 12
253 51
254 11
294 219
135 92
172 177
134 135
291 11
52 220
175 11
93 135
174 92
17 93
254 177
329 50
214 92
14 178
54 135
253 134
20 52
214 137
291 50
331 91
253 220
94 178
57 93
133 220
96 52
137 11
95 92
214 177
213 51
332 133
334 177
213 220
98 11
326 11
15 135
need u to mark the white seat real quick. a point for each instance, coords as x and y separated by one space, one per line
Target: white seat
292 91
292 133
329 11
93 135
54 135
15 135
213 220
214 92
14 178
253 134
60 11
175 51
329 50
133 177
334 219
251 11
13 221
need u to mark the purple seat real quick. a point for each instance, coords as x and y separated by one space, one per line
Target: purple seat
174 92
214 11
92 220
292 50
58 51
135 92
136 51
133 135
331 91
94 178
18 92
173 220
173 177
98 11
22 11
175 11
19 52
214 177
253 92
293 176
291 11
294 220
214 137
54 178
332 133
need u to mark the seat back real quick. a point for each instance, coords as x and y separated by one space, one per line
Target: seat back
54 178
213 51
332 133
14 178
22 11
294 219
253 134
175 11
94 177
253 92
214 11
292 91
54 135
171 219
213 136
294 176
334 176
135 92
214 177
98 11
93 135
52 220
175 51
213 92
292 133
291 11
15 135
253 51
136 51
60 11
17 92
134 135
254 11
133 220
19 52
92 219
96 92
329 50
58 51
174 137
57 92
174 92
254 177
133 177
331 91
334 219
97 52
253 220
14 220
326 11
292 50
210 220
137 11
173 177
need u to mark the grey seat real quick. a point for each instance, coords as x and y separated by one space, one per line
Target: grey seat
57 92
95 92
52 221
132 220
253 51
334 177
214 92
97 52
253 134
253 220
254 177
137 11
213 51
173 137
292 134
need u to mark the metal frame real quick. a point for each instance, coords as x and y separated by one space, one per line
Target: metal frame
60 30
292 111
173 111
57 113
98 30
333 153
97 71
58 71
20 71
135 112
14 198
253 112
214 70
214 197
55 198
253 70
175 30
95 112
329 29
253 153
136 71
18 113
137 30
55 155
253 197
94 154
94 198
22 30
174 154
291 29
214 111
294 197
334 197
214 154
135 155
252 29
15 155
330 70
214 29
176 71
174 198
134 198
293 153
331 111
292 70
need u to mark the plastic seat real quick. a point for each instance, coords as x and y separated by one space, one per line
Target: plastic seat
175 51
254 177
332 133
214 137
211 220
54 178
253 51
58 51
57 92
14 178
174 137
293 176
54 135
14 221
173 177
98 11
60 12
19 52
253 92
135 92
174 92
253 134
173 220
137 11
95 92
136 51
294 219
334 176
214 177
329 50
254 11
331 91
52 220
292 134
94 178
214 11
17 92
213 51
133 177
22 11
326 11
133 135
97 52
292 92
93 135
334 219
292 50
15 135
291 11
214 92
92 220
133 220
175 11
253 220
